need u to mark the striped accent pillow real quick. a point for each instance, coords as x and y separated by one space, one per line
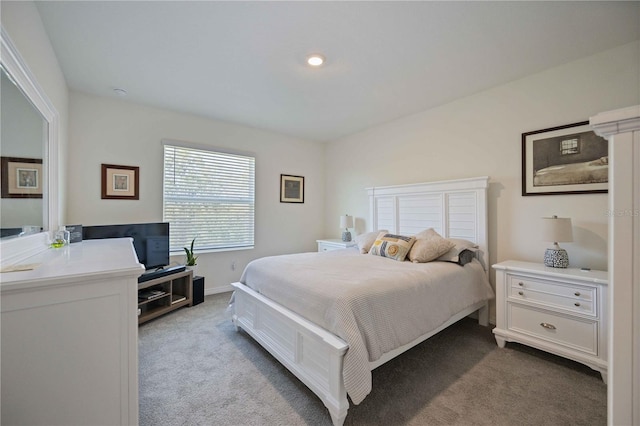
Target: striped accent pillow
365 241
392 246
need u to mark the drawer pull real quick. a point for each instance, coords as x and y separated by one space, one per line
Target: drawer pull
577 293
548 326
521 293
520 284
577 304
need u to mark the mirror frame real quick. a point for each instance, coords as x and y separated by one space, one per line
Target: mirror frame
17 249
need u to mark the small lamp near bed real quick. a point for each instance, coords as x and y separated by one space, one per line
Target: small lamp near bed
346 222
556 229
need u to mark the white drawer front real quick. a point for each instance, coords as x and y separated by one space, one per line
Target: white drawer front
575 333
575 298
553 300
327 247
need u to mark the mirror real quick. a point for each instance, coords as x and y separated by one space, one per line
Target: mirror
43 210
23 133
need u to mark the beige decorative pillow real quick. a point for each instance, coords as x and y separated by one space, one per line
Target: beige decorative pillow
392 246
429 245
366 240
427 233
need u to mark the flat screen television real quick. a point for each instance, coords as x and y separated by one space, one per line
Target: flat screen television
150 240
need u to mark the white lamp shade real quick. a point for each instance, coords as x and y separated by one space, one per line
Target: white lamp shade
557 229
346 221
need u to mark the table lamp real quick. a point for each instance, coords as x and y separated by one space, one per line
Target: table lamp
346 222
556 229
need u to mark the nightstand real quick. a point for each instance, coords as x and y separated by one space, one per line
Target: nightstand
334 244
558 310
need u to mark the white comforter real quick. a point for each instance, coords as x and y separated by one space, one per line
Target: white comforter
374 303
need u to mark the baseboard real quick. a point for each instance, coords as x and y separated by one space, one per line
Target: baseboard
216 290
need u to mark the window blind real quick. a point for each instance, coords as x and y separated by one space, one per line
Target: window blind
210 196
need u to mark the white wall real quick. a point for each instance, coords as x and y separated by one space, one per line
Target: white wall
481 135
112 131
22 22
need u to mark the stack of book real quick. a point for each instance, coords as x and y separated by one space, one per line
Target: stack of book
150 294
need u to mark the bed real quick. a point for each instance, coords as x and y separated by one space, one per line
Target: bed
333 350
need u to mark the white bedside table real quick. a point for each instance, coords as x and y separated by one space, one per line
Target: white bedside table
562 311
334 244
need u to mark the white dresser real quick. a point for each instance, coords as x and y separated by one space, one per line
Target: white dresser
562 311
334 244
70 337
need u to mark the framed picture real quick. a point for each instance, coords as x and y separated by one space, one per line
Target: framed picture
21 177
291 189
120 182
568 159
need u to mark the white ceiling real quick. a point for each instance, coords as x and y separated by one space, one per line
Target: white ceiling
244 61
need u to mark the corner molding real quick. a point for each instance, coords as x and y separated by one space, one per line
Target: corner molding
617 121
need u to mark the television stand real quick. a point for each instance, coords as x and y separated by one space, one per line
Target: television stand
164 294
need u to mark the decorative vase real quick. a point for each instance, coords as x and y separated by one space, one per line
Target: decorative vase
556 258
193 268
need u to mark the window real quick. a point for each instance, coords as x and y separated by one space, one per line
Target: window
569 146
208 195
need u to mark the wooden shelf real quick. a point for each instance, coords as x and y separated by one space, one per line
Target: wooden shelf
177 289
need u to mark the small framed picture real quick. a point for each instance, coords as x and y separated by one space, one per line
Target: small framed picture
291 189
21 177
569 159
120 182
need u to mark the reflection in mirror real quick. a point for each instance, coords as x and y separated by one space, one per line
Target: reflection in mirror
16 249
23 136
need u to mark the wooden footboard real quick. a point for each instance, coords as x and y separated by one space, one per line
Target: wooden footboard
308 351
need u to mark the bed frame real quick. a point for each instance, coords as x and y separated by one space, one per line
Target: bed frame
455 209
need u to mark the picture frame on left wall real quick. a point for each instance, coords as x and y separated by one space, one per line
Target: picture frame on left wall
21 177
120 182
291 189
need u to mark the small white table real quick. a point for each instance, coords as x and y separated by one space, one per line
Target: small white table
334 244
559 310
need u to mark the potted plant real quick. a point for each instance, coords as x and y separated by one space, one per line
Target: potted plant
191 257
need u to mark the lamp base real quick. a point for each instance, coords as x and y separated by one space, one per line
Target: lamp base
556 258
346 236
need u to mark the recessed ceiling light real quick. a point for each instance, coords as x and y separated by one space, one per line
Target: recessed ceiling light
120 91
315 60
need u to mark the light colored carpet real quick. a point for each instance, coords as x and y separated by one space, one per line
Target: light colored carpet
195 369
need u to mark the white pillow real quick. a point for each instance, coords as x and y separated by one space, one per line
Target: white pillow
428 246
459 246
366 240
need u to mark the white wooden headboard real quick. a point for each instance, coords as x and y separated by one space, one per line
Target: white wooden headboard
454 208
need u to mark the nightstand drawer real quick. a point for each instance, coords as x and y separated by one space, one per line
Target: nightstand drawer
575 298
575 333
327 247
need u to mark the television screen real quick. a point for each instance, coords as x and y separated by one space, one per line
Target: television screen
150 240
